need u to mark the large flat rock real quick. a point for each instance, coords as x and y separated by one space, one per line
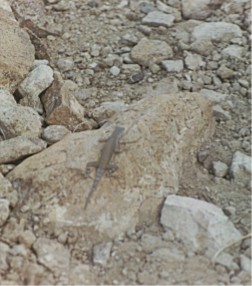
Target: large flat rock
162 132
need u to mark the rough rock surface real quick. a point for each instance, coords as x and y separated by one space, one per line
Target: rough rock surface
107 210
16 52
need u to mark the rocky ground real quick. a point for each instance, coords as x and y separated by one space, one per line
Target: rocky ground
176 75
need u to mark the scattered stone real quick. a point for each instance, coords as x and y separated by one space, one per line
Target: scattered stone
6 98
220 169
245 263
4 211
65 65
156 18
7 192
173 66
168 254
194 61
6 168
129 39
52 255
240 169
145 30
136 77
150 242
221 114
197 9
169 10
54 133
215 97
226 260
27 238
233 51
18 120
16 52
101 253
148 52
4 250
115 71
37 63
19 147
34 84
130 68
62 108
216 31
202 47
201 225
225 73
243 83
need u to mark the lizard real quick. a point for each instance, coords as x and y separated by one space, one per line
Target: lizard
109 148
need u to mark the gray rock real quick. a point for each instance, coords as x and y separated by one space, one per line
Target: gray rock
65 65
101 253
4 250
52 255
19 147
245 263
4 210
226 260
220 169
18 120
194 61
54 133
169 10
225 73
217 31
115 71
27 238
233 51
240 169
173 66
34 84
129 39
145 30
215 97
168 254
201 225
16 52
220 113
202 47
151 242
156 18
37 63
148 52
130 68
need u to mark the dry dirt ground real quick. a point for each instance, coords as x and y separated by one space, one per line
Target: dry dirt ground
90 31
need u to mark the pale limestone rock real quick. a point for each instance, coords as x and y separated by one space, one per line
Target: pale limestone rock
220 169
18 120
193 61
130 68
6 98
200 225
233 51
4 249
62 108
148 52
101 253
215 97
27 238
114 70
37 81
65 64
245 263
52 255
220 113
20 147
173 66
16 52
54 133
198 9
4 210
169 10
225 73
149 166
7 192
240 168
217 31
202 47
156 18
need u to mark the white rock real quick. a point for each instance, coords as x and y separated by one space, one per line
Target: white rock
130 68
115 71
240 169
37 81
101 253
194 61
217 31
19 120
156 18
4 210
6 98
54 133
245 263
169 10
20 147
215 97
225 73
65 65
201 225
233 51
220 113
52 255
27 238
37 63
225 259
220 169
148 52
4 249
173 66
